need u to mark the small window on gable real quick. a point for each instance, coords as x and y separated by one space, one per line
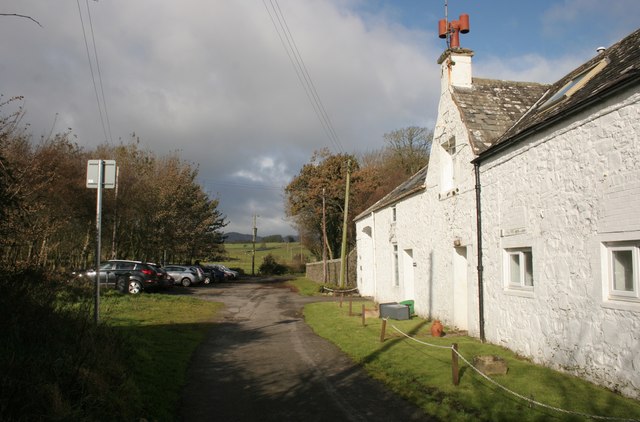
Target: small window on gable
575 84
393 214
447 165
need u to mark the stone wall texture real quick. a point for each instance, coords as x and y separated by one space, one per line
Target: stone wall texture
565 192
315 270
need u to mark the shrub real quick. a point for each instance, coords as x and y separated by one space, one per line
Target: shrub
270 266
55 364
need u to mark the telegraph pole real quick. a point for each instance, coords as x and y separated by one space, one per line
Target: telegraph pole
253 254
343 254
324 238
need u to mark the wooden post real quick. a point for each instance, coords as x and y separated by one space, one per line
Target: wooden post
350 307
363 317
454 364
384 328
341 296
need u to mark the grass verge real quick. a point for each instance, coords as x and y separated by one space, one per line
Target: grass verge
56 364
305 287
423 374
163 331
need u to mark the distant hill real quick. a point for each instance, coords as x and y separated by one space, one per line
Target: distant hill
235 237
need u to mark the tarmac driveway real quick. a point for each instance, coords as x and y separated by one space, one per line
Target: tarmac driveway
261 362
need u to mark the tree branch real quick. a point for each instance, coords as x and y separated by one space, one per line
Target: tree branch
21 16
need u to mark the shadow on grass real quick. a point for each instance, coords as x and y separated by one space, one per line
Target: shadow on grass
388 344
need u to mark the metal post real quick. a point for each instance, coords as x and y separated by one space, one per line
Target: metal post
96 305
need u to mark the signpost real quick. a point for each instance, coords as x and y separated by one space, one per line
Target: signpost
100 174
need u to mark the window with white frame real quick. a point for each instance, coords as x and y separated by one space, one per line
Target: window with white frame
396 267
622 260
518 268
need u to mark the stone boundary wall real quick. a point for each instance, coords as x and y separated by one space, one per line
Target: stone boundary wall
314 270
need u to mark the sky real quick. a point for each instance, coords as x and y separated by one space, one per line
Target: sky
213 80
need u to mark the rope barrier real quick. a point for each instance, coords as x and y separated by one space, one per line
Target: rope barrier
340 291
527 399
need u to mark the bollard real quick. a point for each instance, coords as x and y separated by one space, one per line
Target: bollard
350 308
363 317
454 364
384 328
341 296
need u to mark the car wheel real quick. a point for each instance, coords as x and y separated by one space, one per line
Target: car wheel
185 282
206 280
134 287
121 284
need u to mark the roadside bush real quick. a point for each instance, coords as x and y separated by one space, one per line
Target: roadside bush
270 266
55 363
299 264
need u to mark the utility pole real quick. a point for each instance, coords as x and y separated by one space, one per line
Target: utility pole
343 254
253 254
114 254
324 238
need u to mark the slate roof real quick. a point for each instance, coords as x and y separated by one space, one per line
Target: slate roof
414 184
490 107
622 70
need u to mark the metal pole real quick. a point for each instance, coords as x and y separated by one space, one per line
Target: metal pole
114 254
476 168
96 305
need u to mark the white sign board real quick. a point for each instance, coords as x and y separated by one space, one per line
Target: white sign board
109 175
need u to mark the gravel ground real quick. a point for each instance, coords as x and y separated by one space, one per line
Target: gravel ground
261 362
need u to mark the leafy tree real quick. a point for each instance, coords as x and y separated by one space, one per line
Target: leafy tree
409 147
48 215
275 238
304 196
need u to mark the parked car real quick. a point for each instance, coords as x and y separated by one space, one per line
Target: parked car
185 275
166 280
128 276
231 274
213 274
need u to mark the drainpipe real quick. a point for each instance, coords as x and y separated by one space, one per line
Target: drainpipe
476 167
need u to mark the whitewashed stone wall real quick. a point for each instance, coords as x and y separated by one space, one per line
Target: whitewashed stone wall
365 261
428 228
563 193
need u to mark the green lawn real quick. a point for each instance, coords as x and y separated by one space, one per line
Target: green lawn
164 332
423 375
240 254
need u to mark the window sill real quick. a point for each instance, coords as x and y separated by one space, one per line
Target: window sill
622 303
448 194
519 291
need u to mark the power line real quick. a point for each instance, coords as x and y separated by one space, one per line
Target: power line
93 78
95 52
291 48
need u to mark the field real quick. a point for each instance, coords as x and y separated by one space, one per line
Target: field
240 254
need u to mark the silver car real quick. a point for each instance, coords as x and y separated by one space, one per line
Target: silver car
184 275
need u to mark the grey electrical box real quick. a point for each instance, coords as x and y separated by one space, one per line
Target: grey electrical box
394 311
108 177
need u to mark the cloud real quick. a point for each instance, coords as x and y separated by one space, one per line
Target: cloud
212 80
